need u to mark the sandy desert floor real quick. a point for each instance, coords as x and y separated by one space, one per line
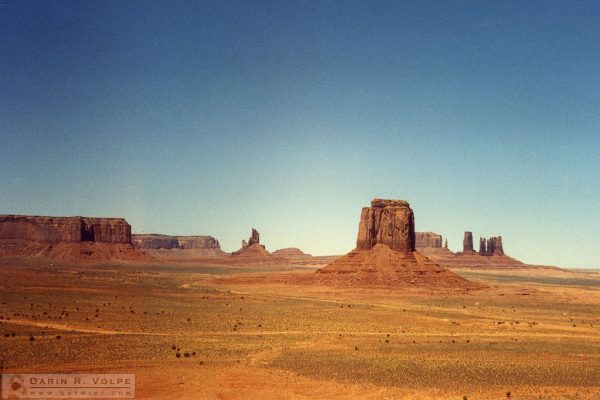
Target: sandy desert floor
273 332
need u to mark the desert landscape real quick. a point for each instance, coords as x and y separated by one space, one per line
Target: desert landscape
382 322
299 200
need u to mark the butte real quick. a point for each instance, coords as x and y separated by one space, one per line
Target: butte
385 253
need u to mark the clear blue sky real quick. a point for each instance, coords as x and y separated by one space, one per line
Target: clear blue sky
208 117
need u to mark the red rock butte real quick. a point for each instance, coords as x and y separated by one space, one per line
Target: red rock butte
385 253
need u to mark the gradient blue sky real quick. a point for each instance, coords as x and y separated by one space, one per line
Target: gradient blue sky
208 117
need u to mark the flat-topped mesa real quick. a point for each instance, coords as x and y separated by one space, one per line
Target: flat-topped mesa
64 229
76 239
156 241
468 242
428 239
389 222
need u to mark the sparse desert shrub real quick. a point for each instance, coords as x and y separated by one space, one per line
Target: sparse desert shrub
508 394
58 337
31 338
186 354
177 355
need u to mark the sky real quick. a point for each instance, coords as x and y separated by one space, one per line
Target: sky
195 118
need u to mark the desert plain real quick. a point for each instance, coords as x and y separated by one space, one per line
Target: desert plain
276 331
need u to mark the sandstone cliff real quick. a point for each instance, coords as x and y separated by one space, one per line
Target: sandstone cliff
389 222
67 238
65 229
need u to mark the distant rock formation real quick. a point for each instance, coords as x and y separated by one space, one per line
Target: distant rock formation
468 243
428 239
385 253
446 244
69 238
156 241
252 248
490 255
389 222
491 246
290 252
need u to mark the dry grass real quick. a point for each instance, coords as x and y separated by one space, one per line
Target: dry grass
532 334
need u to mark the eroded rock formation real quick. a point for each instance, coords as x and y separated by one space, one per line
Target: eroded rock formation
252 248
389 222
385 253
254 237
428 239
491 246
